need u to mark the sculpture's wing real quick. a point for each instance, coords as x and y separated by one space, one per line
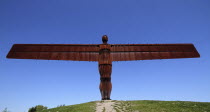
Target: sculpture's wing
126 52
75 52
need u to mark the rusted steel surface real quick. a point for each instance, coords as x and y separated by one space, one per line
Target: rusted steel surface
104 53
151 47
105 69
74 52
128 52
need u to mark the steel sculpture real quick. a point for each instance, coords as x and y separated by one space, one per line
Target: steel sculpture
104 53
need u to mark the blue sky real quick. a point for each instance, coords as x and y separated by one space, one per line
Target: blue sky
26 83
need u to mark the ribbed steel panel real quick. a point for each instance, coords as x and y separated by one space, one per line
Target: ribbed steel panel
54 48
152 47
55 52
127 52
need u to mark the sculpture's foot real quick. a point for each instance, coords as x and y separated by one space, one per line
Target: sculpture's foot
106 99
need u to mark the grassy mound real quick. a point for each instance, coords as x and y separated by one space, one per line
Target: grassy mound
165 106
140 106
84 107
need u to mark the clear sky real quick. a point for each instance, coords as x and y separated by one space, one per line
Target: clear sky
26 83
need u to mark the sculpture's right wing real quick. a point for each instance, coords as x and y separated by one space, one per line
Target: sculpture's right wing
128 52
74 52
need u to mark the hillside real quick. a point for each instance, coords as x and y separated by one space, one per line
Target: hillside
135 106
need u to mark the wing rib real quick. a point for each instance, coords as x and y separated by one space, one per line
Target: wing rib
74 52
127 52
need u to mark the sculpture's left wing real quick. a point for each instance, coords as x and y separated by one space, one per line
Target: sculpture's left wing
74 52
127 52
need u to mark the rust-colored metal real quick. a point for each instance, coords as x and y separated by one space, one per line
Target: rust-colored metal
128 52
103 53
74 52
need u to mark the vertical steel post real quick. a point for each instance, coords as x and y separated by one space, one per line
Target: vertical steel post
105 69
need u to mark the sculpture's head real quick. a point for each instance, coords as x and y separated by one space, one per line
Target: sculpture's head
104 39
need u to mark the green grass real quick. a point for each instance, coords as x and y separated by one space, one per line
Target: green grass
168 106
140 106
84 107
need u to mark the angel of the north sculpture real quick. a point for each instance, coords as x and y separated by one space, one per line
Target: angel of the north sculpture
104 54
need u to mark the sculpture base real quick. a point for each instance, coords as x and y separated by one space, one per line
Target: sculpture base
106 99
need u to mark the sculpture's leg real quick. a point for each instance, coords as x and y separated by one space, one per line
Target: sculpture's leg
105 84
